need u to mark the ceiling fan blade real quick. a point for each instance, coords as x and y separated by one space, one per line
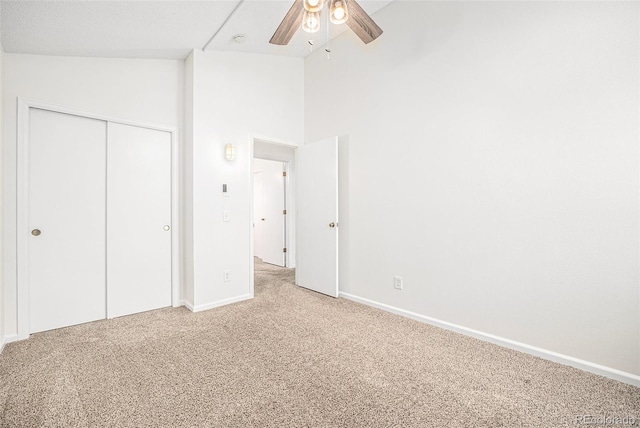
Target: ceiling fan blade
289 25
361 23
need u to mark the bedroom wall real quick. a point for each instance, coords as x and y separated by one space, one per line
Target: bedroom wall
147 91
2 268
237 97
187 183
493 164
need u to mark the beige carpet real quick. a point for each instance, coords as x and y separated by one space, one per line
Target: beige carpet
288 358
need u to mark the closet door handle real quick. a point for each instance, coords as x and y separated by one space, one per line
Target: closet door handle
166 227
36 232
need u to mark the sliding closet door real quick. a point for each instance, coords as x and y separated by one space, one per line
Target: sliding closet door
138 219
66 205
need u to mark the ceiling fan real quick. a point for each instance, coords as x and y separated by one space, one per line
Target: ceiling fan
306 14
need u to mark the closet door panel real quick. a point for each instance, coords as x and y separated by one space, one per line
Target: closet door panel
138 219
66 209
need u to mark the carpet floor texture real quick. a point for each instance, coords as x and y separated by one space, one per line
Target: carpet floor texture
290 358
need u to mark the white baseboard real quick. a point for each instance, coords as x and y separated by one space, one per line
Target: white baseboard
217 303
7 340
186 304
598 369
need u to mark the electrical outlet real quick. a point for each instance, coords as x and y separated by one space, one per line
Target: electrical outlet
226 216
226 275
397 282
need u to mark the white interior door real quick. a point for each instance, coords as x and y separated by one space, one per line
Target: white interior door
138 219
272 205
317 216
66 204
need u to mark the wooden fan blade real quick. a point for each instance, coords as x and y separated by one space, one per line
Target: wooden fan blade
361 23
289 25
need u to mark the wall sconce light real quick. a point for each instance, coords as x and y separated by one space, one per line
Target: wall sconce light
230 152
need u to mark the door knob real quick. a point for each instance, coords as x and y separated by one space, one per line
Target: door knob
332 224
36 232
166 227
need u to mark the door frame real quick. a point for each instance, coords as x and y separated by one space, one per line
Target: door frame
289 202
23 125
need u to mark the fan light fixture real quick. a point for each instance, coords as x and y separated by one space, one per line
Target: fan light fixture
311 21
339 12
313 5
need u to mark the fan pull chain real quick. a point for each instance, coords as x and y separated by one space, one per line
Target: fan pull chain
326 49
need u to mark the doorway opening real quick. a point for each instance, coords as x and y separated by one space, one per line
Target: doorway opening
270 211
273 214
311 173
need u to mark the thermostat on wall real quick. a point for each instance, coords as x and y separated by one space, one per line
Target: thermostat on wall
225 190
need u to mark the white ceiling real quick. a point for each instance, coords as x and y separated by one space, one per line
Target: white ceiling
152 29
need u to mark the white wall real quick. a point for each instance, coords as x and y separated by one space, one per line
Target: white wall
344 211
273 151
2 267
493 163
187 184
236 97
147 91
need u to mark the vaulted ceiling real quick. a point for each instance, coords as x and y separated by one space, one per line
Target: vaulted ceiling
153 29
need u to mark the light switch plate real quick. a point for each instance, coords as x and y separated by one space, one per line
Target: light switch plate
397 282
